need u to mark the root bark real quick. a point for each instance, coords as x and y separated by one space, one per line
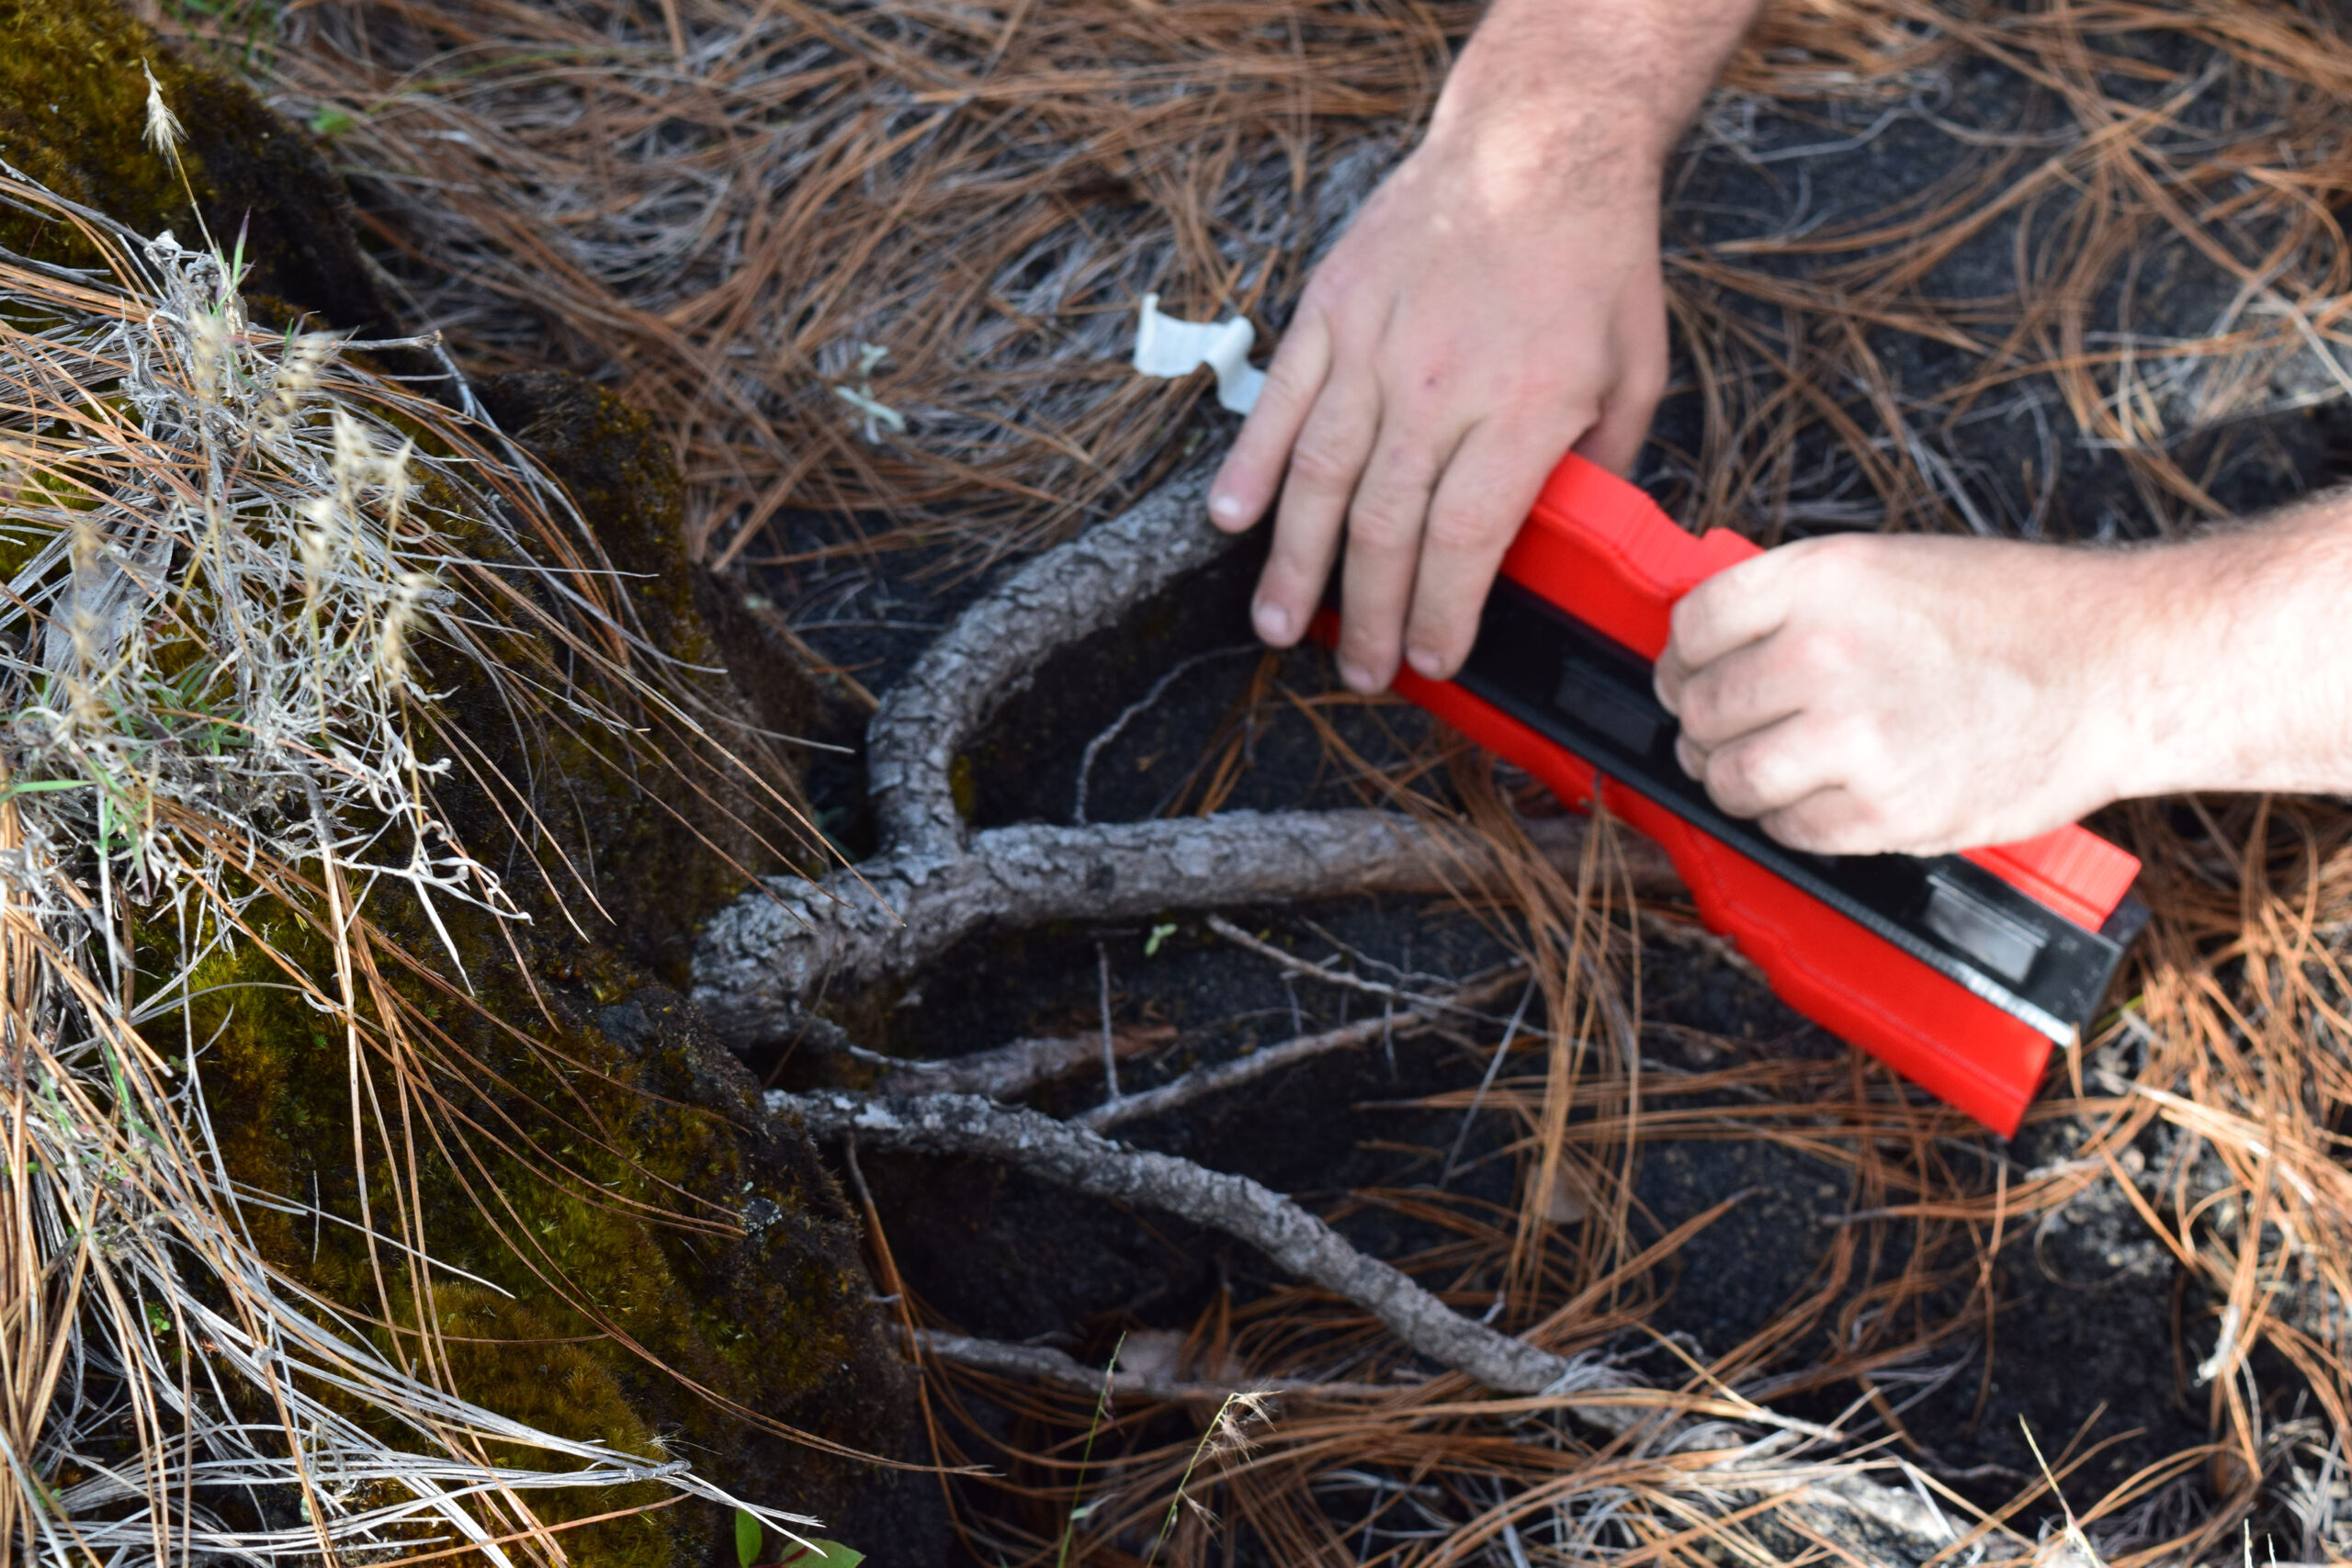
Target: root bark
884 921
935 882
1219 1077
1289 1236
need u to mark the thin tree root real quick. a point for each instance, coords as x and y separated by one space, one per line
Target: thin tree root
1043 1363
1834 1501
1219 1077
1009 1071
1289 1236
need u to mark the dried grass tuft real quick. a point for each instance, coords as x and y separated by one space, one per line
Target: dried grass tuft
224 548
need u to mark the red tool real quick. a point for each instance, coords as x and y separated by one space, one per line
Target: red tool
1958 971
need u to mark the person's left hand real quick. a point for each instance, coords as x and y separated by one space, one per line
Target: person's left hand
1866 692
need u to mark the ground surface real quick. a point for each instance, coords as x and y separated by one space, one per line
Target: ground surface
2095 1337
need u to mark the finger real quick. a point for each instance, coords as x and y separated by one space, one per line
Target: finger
1246 482
1386 525
1831 821
1729 610
1329 456
1746 691
1771 769
1483 496
1615 439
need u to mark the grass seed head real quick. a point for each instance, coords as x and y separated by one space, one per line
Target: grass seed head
164 132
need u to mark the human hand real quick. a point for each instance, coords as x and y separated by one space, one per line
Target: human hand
1493 306
1863 694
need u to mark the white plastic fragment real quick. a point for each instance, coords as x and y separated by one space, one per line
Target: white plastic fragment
875 412
1168 348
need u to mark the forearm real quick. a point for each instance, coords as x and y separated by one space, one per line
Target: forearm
1554 88
2242 641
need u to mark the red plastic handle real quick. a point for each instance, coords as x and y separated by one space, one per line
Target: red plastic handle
1600 549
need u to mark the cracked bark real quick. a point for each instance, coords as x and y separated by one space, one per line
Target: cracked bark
935 882
766 951
1289 1237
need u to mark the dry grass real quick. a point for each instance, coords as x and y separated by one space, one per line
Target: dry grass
717 203
719 206
231 555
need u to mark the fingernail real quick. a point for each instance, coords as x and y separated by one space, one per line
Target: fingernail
1273 621
1357 677
1687 757
1225 508
1428 663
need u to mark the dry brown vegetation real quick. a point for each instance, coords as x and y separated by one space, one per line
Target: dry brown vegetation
715 203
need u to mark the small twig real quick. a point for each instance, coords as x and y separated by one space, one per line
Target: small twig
1043 1363
1494 1065
1202 1082
1299 966
1110 1050
1136 710
1692 937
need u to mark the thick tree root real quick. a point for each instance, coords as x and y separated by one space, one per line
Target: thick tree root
997 646
1289 1236
764 954
935 882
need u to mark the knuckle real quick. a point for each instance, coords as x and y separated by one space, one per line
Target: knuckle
1836 560
1704 716
1854 739
1694 614
1377 529
1815 653
1288 379
1465 530
1337 277
1732 778
1317 463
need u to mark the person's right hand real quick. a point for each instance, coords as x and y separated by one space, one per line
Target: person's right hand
1493 306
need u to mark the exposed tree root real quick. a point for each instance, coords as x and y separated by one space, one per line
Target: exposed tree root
1013 1069
1219 1077
935 882
1043 1363
1296 1240
1836 1504
997 646
885 920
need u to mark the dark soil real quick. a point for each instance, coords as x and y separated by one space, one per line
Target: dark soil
2082 1340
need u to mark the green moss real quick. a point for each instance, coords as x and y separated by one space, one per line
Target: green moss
73 116
600 1159
597 1187
608 1166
